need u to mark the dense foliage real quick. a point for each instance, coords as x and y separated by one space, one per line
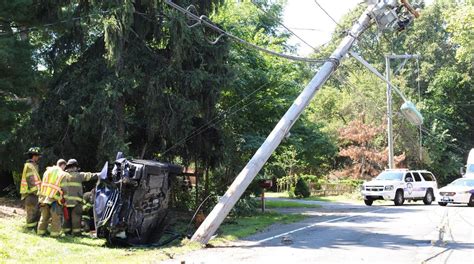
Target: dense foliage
441 86
86 79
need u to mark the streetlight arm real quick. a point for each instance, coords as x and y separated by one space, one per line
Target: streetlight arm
377 73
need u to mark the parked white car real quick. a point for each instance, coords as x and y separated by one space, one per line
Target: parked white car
468 171
400 185
460 191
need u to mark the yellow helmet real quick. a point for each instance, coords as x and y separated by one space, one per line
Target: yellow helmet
34 151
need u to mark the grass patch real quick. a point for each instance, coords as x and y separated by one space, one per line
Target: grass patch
349 197
20 245
246 226
289 204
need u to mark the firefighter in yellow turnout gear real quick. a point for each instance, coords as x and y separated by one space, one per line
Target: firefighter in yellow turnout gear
30 183
87 213
74 197
51 199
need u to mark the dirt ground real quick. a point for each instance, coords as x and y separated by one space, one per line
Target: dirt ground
11 207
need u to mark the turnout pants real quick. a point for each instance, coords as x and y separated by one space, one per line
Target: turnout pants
86 223
54 212
32 211
74 222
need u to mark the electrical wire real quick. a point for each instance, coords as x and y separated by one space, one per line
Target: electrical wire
72 19
188 228
285 27
204 21
219 118
428 133
35 28
327 13
204 128
381 111
310 29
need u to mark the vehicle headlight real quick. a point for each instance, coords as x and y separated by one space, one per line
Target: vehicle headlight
389 187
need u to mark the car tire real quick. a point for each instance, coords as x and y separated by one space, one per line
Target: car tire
399 199
471 201
429 197
368 202
442 203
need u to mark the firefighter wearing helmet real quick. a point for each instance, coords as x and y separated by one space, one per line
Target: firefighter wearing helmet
74 197
30 183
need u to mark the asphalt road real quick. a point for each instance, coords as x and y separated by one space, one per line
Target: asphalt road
353 233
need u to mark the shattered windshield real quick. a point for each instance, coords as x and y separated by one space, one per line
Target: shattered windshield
390 175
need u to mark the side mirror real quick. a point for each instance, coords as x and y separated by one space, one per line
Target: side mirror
462 171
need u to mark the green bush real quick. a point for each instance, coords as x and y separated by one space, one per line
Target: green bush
351 182
313 181
291 193
246 206
302 189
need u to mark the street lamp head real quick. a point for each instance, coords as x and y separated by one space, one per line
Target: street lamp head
412 114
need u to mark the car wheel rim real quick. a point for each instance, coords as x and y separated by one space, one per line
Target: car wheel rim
400 199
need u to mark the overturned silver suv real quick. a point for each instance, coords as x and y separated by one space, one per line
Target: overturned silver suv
131 200
399 185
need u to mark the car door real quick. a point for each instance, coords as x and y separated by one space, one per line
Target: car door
408 190
419 188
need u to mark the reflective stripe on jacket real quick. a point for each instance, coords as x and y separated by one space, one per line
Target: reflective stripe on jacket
73 186
52 183
30 179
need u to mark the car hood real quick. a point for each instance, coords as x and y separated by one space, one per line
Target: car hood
381 182
456 189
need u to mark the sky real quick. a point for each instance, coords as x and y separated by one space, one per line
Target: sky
309 22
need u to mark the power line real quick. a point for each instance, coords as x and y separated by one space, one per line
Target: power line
72 19
428 133
219 118
285 27
204 20
422 129
309 29
35 28
327 13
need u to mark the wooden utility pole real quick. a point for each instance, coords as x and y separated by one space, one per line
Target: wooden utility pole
408 108
388 58
385 15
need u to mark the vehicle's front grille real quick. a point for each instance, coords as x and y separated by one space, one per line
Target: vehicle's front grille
447 193
374 188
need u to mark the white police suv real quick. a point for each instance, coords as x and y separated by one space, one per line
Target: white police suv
399 185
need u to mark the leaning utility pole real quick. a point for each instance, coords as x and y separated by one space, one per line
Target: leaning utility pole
388 57
386 14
